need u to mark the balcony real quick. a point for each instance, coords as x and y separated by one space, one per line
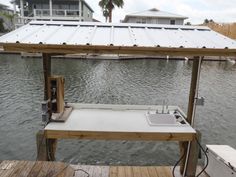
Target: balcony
56 13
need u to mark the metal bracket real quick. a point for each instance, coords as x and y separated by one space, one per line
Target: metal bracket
200 101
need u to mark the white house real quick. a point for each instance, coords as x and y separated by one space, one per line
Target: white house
155 16
6 17
66 10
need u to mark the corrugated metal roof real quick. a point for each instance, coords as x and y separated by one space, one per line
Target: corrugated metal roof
141 35
156 14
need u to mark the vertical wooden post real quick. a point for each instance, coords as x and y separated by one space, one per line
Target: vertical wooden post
41 146
191 166
46 148
183 146
193 90
47 73
51 149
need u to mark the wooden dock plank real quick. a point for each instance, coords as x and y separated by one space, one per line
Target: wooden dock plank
91 170
167 171
121 171
80 170
18 169
35 169
136 171
44 170
69 172
65 171
152 172
144 172
163 171
7 167
58 169
113 172
105 171
128 171
3 166
55 169
97 172
26 170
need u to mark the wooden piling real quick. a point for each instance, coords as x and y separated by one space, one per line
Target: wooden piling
46 148
191 166
193 89
47 73
190 118
41 146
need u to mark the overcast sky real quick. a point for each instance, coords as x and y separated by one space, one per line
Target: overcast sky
196 10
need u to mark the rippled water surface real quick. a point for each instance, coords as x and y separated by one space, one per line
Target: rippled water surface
113 82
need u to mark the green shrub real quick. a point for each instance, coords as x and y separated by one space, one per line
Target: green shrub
2 29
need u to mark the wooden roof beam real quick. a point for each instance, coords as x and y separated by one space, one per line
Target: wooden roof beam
148 51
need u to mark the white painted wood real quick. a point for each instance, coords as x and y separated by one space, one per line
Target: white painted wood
225 153
117 118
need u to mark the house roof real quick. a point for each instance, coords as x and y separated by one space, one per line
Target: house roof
123 38
88 5
155 13
4 6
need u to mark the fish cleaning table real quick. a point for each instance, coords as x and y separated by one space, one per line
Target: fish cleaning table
117 122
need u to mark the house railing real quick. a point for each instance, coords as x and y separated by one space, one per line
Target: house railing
56 13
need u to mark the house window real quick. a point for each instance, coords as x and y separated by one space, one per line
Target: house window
172 22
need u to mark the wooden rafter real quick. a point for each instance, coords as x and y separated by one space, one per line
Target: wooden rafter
134 50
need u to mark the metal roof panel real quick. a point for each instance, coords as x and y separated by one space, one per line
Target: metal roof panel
124 34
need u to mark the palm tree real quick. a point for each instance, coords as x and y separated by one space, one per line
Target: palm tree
106 14
110 5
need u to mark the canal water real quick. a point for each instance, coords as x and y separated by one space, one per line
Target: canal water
142 82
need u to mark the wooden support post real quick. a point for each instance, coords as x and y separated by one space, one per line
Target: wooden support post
183 146
41 146
191 166
191 109
51 148
47 73
46 148
193 89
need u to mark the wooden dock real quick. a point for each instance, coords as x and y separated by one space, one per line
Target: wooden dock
129 171
59 169
35 169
